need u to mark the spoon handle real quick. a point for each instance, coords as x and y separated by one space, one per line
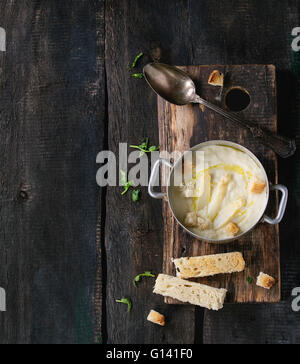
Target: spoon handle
281 145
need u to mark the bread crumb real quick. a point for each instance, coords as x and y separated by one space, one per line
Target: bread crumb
203 224
216 79
191 220
156 318
232 229
265 281
257 186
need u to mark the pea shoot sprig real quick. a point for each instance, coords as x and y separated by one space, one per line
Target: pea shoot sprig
140 276
139 76
133 65
136 195
249 280
126 301
144 147
125 183
137 58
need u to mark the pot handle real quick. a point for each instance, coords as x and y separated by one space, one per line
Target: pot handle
153 177
282 205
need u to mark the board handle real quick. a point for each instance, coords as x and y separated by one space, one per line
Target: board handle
154 177
282 205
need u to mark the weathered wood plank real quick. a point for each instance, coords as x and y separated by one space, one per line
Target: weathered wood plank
190 32
203 32
259 32
52 113
263 324
184 127
134 231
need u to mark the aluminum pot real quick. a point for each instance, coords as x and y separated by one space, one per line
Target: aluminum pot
169 196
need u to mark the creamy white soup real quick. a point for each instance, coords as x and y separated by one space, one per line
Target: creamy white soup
224 196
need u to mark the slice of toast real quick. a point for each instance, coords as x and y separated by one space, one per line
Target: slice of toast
190 292
209 265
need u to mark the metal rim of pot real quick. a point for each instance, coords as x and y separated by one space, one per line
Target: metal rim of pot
270 187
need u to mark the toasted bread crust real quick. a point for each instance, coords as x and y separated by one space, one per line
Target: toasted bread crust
257 186
190 292
156 318
209 265
265 281
216 78
232 229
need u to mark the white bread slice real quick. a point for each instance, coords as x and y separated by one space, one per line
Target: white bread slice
209 265
190 292
156 318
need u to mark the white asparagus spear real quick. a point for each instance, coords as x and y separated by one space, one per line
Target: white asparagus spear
218 197
228 213
204 191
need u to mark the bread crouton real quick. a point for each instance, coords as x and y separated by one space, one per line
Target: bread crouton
156 318
257 186
265 281
216 79
191 219
232 229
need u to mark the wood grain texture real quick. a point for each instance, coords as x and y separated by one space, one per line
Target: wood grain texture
184 127
253 32
52 112
53 108
133 235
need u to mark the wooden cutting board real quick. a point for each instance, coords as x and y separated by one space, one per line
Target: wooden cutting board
182 127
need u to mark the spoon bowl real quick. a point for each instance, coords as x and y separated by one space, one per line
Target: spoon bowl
170 83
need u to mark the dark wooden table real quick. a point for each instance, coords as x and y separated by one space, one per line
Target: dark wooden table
68 248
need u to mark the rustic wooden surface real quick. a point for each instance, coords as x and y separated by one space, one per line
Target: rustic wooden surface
63 99
52 109
182 127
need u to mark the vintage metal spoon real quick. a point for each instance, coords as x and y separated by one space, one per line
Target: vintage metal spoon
178 88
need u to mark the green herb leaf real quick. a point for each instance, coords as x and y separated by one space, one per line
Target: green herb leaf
136 195
138 75
133 65
127 302
154 148
145 144
126 188
125 183
144 147
140 276
250 280
123 178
